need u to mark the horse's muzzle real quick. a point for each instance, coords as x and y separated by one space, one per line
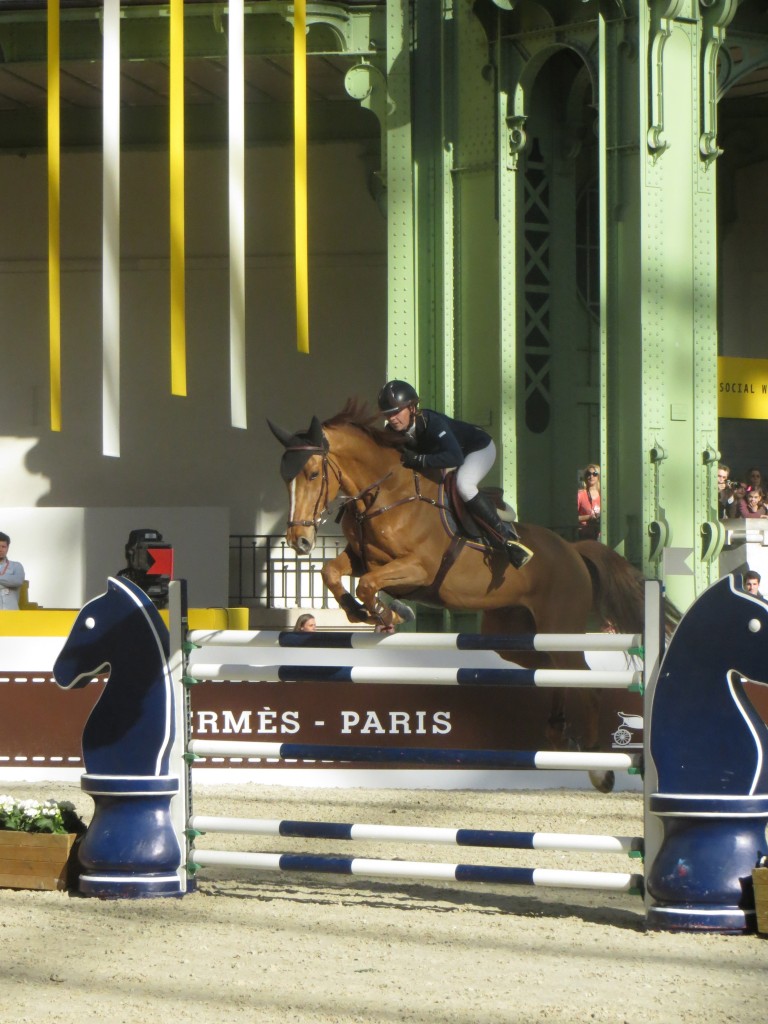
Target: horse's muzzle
301 544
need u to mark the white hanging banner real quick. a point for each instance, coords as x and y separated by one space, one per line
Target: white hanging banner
237 369
110 286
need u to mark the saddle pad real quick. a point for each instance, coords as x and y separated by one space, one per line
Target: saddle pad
453 525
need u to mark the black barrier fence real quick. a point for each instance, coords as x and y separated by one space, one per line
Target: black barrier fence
265 573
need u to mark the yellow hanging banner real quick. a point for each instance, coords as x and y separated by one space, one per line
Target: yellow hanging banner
742 388
54 213
300 172
178 321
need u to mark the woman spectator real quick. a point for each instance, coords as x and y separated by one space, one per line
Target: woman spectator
754 480
305 623
753 506
588 504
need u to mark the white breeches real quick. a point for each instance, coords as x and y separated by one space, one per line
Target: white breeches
476 465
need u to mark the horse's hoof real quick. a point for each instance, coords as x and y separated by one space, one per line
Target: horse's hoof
603 781
403 611
354 611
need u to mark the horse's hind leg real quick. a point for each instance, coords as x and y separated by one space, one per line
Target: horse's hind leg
603 781
519 620
589 738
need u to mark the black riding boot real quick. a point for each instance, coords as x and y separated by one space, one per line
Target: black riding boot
502 536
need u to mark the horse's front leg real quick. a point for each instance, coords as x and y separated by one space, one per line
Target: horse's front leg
332 573
405 573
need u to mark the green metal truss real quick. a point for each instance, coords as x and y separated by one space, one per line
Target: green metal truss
333 30
563 188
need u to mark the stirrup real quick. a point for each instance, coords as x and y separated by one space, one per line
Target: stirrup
517 553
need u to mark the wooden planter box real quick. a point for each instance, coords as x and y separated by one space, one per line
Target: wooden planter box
36 860
760 881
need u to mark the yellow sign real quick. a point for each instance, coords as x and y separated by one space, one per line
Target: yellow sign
742 388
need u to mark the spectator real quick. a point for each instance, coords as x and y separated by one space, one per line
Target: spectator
739 492
753 506
751 583
305 623
726 500
588 504
754 480
11 577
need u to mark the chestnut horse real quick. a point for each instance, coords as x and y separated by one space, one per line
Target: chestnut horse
397 543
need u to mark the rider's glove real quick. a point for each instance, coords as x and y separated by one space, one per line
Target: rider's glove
412 460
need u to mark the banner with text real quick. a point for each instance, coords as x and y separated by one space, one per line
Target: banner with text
742 388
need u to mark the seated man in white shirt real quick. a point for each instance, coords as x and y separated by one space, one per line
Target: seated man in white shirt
11 577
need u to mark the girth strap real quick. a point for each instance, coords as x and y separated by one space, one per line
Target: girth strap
446 564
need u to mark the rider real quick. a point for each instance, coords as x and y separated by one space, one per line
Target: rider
436 441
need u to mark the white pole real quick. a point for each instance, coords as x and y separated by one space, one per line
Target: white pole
110 287
237 365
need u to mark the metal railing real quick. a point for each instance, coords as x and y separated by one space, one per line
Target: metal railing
265 573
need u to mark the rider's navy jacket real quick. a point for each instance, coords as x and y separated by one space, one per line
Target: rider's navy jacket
444 441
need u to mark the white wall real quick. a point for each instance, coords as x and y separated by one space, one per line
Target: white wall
182 452
68 553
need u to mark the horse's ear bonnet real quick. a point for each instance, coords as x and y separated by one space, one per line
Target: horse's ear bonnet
299 448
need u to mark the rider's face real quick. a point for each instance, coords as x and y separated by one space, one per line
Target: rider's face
751 586
401 420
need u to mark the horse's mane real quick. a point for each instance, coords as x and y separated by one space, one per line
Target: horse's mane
356 414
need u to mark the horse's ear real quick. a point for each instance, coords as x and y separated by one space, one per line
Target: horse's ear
282 436
315 433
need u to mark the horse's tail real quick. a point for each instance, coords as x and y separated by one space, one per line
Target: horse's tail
617 587
618 590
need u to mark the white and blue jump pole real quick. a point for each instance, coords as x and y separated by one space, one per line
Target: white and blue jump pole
521 760
705 765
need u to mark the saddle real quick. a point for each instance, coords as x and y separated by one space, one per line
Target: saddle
457 519
461 527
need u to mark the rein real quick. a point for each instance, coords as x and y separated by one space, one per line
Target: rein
361 516
417 496
368 513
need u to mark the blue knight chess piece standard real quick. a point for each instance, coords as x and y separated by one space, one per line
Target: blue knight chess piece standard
710 747
131 847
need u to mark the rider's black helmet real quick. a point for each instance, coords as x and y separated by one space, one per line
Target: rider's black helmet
395 395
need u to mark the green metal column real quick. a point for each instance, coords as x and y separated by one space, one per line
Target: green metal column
659 342
476 251
402 359
433 92
454 354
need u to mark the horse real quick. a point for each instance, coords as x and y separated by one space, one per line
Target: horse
399 543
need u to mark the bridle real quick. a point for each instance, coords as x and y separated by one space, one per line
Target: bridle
320 510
